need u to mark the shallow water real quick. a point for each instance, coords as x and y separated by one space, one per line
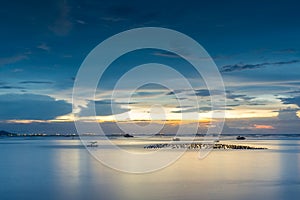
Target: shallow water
63 169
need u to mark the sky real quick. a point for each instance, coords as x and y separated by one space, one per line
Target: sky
255 45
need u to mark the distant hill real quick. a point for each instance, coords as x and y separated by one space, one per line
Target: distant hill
5 133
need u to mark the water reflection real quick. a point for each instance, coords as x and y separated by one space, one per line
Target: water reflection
55 169
289 183
67 163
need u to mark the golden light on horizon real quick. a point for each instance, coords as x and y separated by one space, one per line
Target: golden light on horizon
168 115
173 118
250 113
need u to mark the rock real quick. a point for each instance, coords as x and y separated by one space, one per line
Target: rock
240 138
199 146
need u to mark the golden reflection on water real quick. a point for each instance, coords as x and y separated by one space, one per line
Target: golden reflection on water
223 174
67 167
227 174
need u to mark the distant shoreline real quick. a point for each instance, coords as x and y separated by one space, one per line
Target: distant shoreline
10 134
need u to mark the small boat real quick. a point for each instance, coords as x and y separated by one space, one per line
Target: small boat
127 135
93 144
240 138
176 139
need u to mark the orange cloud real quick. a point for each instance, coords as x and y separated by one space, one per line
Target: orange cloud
262 126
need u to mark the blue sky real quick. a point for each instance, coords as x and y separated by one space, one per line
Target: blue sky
255 45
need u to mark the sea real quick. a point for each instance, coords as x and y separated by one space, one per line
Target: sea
61 168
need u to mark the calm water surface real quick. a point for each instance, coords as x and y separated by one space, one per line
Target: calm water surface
63 169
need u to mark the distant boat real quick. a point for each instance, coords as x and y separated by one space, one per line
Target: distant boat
159 134
127 135
92 144
176 139
240 138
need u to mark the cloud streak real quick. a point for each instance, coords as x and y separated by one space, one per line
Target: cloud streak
166 54
240 67
62 25
44 47
12 59
36 82
8 87
5 86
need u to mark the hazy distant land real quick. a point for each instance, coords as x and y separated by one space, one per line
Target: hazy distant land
170 145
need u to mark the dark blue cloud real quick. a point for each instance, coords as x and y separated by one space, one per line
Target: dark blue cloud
294 92
292 100
288 114
234 96
103 108
192 110
229 94
174 92
31 107
170 93
202 92
147 94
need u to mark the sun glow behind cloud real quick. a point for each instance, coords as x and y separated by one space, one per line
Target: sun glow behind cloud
160 105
